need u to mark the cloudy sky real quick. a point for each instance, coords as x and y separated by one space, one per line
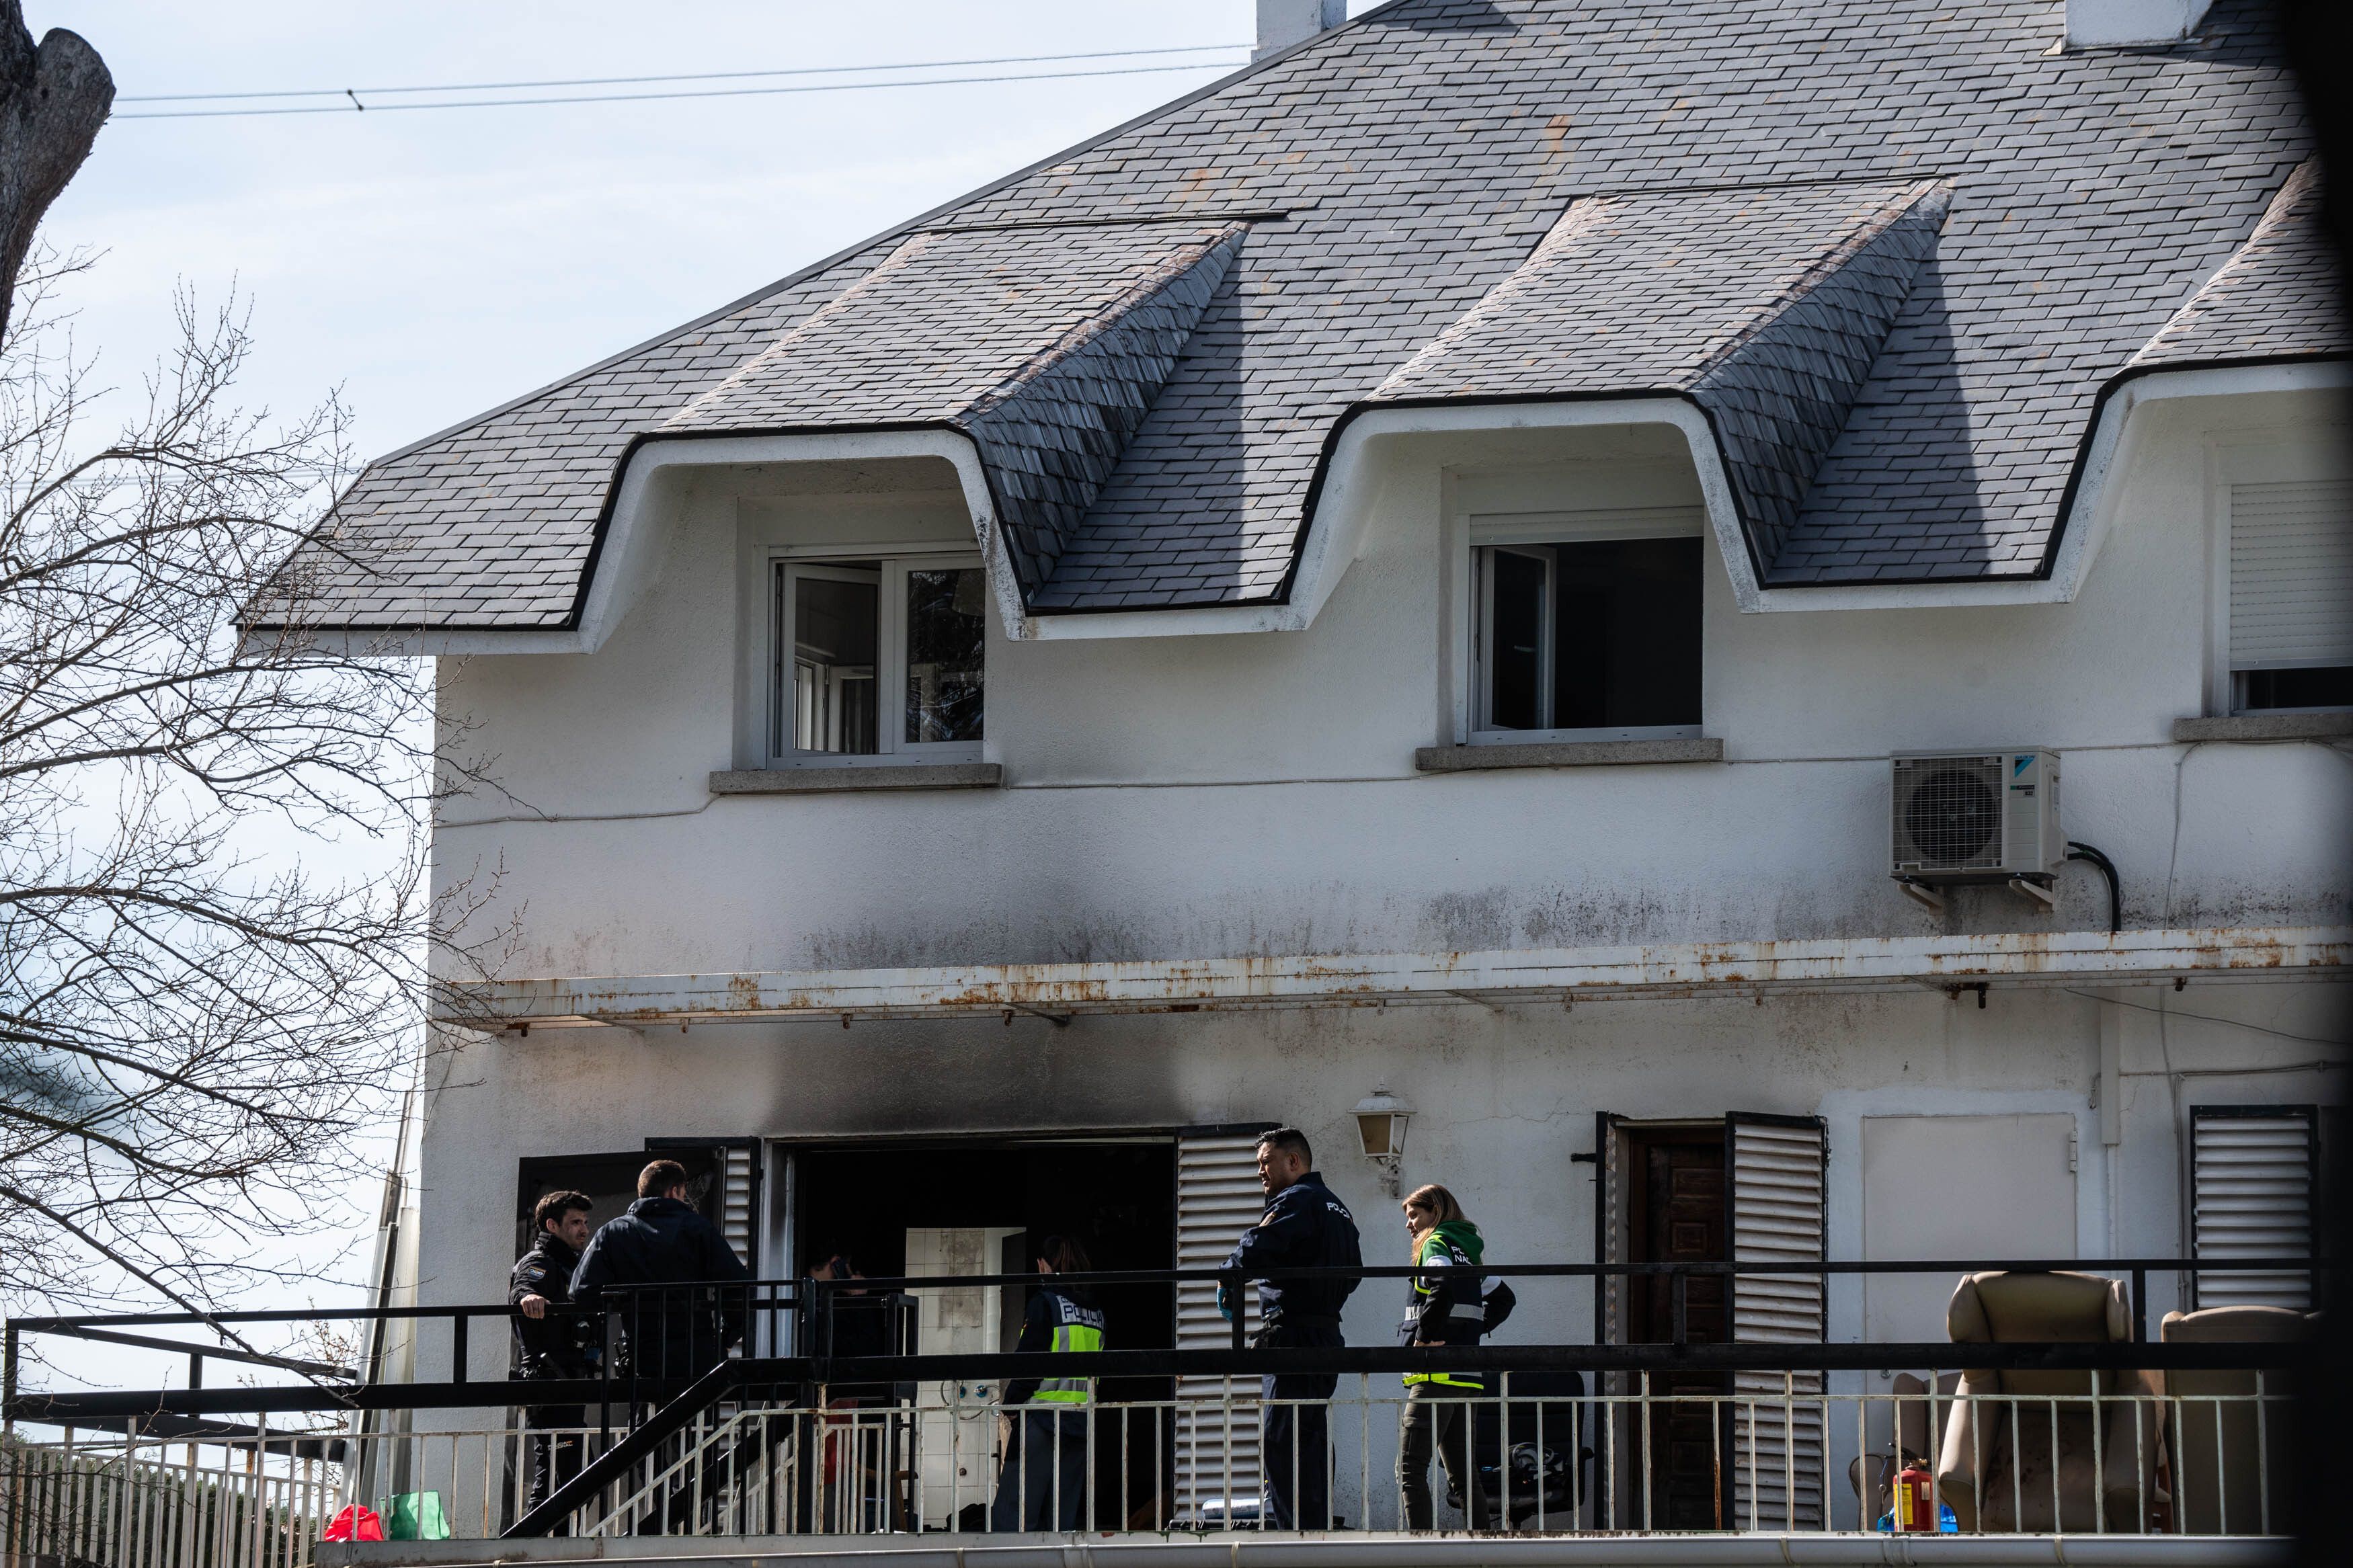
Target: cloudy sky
434 262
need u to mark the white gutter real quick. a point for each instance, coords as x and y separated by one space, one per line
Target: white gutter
1668 968
1344 1550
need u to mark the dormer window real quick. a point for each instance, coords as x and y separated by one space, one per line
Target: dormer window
877 662
1585 626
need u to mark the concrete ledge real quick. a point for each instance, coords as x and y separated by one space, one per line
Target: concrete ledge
2264 726
2256 954
1568 754
1252 1549
822 781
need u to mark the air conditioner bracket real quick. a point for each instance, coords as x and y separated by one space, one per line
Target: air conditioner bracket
1921 892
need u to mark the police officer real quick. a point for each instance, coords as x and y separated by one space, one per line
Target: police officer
679 1288
681 1333
561 1346
1449 1303
1304 1226
1045 1473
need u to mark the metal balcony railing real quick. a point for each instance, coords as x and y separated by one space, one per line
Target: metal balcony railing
784 1438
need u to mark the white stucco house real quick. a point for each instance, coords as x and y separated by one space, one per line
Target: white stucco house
1521 553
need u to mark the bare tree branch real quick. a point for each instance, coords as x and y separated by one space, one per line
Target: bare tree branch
198 1019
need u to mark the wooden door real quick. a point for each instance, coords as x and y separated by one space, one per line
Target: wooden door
1678 1215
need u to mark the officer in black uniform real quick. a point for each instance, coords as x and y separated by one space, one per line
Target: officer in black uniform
679 1289
1304 1226
553 1343
681 1332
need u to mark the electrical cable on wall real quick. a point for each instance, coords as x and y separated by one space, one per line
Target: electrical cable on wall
2107 868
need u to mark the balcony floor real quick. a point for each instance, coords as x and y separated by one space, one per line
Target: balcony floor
1340 1550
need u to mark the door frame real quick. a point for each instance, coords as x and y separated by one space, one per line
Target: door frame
1612 1238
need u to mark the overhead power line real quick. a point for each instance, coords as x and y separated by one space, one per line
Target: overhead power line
348 101
690 76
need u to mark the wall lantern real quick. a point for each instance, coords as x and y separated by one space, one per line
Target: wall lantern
1382 1118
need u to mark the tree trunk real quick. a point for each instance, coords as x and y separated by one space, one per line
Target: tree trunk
52 101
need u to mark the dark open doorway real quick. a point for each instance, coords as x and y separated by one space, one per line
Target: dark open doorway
1116 1196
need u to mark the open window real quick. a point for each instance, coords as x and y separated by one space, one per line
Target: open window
2288 607
877 661
1586 625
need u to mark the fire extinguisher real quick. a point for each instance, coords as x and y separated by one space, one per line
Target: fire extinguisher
1916 1499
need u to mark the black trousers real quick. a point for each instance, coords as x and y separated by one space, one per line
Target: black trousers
1044 1485
554 1454
1295 1440
1438 1415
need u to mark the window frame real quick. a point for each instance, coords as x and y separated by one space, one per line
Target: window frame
1479 532
891 564
2240 462
1483 690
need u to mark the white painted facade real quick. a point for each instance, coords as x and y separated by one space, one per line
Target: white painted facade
1255 795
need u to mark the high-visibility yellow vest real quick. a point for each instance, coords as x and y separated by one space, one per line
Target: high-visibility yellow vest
1080 1329
1469 1315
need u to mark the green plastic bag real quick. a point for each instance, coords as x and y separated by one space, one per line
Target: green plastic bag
414 1516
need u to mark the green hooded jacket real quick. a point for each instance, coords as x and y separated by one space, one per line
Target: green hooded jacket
1446 1308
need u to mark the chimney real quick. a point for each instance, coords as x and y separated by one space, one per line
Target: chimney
1283 23
2101 24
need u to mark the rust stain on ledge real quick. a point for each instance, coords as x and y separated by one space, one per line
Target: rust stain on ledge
1260 981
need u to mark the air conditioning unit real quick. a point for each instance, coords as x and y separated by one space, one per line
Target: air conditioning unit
1976 816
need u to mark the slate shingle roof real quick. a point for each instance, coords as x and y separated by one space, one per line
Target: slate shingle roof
2276 297
1765 306
1045 345
1417 157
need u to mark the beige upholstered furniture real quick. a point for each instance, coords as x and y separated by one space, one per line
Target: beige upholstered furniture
2219 1454
2013 1461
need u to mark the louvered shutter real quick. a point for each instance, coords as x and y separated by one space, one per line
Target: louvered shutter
1218 1198
2291 574
1775 1167
733 1203
2252 1179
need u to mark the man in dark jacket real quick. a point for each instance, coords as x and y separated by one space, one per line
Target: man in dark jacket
552 1341
671 1280
677 1333
1304 1226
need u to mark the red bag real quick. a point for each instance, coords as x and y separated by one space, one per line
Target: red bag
354 1524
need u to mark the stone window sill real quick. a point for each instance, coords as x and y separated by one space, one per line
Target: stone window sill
1568 754
823 781
2264 726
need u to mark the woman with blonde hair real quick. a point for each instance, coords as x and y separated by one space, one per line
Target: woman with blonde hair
1447 1303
